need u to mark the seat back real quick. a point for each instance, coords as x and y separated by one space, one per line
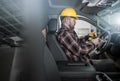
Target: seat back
21 71
52 42
6 58
52 72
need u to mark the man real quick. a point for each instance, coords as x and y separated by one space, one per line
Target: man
68 38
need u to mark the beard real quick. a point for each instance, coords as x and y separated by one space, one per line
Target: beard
72 27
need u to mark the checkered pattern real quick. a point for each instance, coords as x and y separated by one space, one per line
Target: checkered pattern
70 44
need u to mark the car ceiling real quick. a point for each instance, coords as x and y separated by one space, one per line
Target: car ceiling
11 18
57 5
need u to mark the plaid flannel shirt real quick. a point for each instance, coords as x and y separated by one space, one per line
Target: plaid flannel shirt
70 44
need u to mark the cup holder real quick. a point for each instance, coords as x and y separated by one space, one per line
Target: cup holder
103 77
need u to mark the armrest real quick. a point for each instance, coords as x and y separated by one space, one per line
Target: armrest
67 63
76 64
76 69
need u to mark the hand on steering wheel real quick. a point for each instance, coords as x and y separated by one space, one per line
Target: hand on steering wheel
104 40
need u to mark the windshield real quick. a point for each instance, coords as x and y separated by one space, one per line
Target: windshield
110 18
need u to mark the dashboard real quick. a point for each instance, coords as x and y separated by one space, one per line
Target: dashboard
115 47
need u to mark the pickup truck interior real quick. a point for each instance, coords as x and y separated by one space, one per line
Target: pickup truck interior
30 51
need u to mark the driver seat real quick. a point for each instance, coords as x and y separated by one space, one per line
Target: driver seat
52 42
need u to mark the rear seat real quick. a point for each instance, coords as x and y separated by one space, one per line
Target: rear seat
6 58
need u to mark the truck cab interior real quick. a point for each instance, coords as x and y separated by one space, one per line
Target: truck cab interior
30 51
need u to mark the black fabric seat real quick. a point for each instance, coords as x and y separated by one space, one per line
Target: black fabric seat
64 72
68 70
6 58
52 72
52 42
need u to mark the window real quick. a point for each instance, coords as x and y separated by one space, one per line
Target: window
111 17
82 27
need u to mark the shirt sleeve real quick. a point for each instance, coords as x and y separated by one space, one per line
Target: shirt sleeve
71 44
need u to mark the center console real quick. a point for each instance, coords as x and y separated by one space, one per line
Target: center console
113 76
102 77
80 71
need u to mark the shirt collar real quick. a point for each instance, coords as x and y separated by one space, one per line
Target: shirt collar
66 28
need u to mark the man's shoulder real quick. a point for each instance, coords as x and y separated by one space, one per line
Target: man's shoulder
63 30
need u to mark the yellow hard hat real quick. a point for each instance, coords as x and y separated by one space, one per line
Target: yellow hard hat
69 12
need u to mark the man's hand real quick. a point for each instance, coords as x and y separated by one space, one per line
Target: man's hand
95 41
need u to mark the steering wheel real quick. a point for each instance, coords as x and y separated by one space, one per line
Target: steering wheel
104 40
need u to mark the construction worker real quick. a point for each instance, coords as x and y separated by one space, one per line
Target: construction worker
68 38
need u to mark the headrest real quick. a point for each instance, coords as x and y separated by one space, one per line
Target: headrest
52 25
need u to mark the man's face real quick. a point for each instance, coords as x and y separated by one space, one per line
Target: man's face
72 23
